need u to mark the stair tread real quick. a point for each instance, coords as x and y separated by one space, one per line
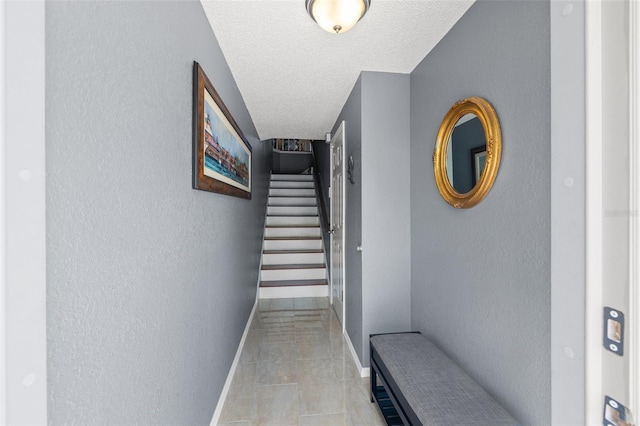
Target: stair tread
292 238
292 196
291 215
307 182
291 205
292 283
301 251
293 266
292 226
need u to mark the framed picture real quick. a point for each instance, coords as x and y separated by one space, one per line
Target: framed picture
221 154
478 159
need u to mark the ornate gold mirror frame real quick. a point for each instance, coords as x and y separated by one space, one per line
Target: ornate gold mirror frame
487 116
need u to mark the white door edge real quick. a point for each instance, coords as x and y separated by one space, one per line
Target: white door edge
3 242
594 215
634 209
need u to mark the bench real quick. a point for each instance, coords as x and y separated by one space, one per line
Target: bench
420 385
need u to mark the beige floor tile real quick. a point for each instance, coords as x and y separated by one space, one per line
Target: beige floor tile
321 398
277 373
276 304
339 348
245 373
322 302
280 335
359 408
244 382
319 371
305 303
285 351
277 315
252 346
313 349
277 405
238 408
297 369
311 334
339 419
349 369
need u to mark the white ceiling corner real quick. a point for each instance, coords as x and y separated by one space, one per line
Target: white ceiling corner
295 77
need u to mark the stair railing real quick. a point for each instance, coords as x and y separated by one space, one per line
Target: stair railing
324 217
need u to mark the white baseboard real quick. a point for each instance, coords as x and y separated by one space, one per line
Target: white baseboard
294 291
232 371
364 372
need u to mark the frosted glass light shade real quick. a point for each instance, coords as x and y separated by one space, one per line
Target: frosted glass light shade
337 16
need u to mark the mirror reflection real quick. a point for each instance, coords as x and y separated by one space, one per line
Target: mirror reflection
466 153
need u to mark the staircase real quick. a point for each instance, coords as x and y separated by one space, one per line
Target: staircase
293 260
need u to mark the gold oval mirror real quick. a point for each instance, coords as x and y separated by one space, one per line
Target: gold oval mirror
467 153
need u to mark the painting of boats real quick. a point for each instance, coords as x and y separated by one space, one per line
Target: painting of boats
222 156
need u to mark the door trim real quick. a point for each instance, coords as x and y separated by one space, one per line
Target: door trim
634 208
3 240
23 238
593 213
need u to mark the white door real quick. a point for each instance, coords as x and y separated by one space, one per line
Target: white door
337 223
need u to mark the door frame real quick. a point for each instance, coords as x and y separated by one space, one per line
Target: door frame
595 208
23 346
341 129
3 241
594 211
634 208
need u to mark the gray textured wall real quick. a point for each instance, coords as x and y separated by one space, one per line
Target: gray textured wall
352 115
386 217
290 163
481 277
377 285
150 282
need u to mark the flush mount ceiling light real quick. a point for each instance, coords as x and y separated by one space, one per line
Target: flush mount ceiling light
337 15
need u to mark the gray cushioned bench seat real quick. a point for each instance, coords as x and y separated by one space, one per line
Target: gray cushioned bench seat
436 390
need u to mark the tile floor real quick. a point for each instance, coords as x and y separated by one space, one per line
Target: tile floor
296 369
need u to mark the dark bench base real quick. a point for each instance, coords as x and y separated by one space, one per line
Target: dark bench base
387 408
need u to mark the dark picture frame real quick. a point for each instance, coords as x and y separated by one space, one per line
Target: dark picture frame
222 157
478 158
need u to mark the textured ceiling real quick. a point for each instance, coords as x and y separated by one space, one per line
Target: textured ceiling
295 77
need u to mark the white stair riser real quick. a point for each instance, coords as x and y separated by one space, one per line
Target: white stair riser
290 221
292 232
292 185
292 258
289 192
292 201
293 244
292 211
292 292
293 274
292 177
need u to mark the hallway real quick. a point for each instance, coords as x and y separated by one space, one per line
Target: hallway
296 369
